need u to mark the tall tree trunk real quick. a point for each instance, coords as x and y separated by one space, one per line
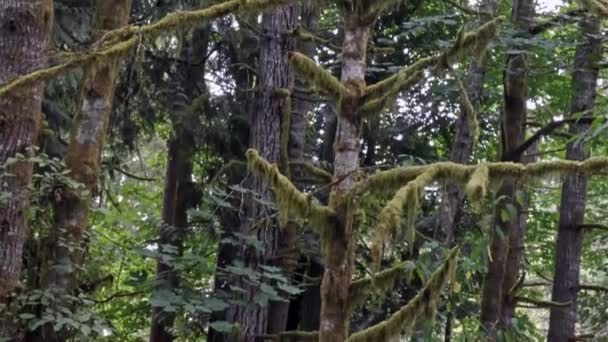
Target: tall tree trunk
339 245
274 76
25 27
178 195
501 276
176 202
84 152
574 190
304 310
462 147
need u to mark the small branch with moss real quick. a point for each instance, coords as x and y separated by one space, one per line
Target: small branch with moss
424 302
383 93
470 112
317 75
291 336
380 282
289 200
398 177
541 303
119 42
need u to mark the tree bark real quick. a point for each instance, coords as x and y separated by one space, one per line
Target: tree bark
502 275
339 244
562 320
83 158
274 74
462 147
178 192
25 27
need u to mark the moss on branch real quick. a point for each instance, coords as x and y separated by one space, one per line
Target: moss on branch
470 112
596 7
119 42
477 187
423 303
291 202
380 282
383 93
317 75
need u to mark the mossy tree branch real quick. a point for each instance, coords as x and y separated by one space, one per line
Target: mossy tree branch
119 42
380 282
290 201
423 303
317 75
383 93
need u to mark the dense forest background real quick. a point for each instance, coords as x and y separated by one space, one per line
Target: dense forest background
300 170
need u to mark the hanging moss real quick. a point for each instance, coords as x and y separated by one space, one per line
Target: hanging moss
398 81
119 42
477 187
312 170
291 203
390 218
377 105
474 43
470 112
318 76
383 93
379 283
423 303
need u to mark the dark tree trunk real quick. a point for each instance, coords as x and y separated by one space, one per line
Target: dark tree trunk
505 249
574 190
462 147
25 27
178 196
274 75
304 309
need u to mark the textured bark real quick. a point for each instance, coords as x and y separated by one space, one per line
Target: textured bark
178 191
83 158
176 202
25 27
462 147
273 67
514 113
339 244
574 190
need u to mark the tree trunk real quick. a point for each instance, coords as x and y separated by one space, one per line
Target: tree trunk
339 245
178 195
503 266
462 147
274 76
574 190
25 27
84 152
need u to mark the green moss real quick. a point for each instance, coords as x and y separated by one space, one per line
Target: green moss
318 76
291 203
424 303
119 42
379 283
470 112
477 187
311 170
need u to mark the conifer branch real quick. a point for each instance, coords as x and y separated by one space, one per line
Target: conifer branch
317 75
395 178
383 93
289 200
380 282
423 303
119 42
541 303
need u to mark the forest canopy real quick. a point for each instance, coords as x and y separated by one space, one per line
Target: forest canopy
303 170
